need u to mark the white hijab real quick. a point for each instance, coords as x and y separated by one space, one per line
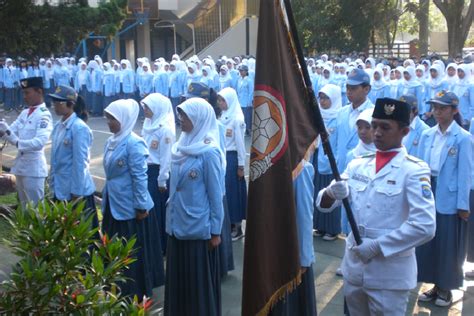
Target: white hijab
436 82
363 148
126 112
378 84
451 80
234 110
466 81
203 137
162 113
334 94
413 82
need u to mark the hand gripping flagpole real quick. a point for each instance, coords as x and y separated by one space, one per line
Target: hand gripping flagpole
319 119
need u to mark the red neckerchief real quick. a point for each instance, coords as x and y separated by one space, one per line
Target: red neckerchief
382 158
31 109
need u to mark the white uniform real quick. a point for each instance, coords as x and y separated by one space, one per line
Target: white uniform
30 166
396 208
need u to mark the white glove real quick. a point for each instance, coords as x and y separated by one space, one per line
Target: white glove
4 126
338 190
367 250
11 138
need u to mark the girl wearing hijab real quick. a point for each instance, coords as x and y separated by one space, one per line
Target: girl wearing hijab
464 89
159 134
245 94
447 149
125 85
48 82
193 75
451 75
95 88
327 225
82 80
341 82
175 86
396 84
61 73
232 118
326 77
411 86
126 203
109 84
434 85
145 81
70 155
195 214
160 80
379 88
206 77
225 79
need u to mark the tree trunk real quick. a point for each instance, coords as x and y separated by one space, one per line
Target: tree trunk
423 17
458 24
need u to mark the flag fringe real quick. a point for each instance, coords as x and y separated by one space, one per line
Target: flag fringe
280 294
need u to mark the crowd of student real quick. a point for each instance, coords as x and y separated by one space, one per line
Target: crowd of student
184 194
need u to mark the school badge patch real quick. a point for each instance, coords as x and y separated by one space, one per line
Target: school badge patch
269 131
193 174
154 144
426 191
228 132
452 151
66 141
120 163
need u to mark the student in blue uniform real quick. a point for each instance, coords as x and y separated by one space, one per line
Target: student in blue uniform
159 133
447 148
82 80
225 79
417 126
95 88
70 153
175 86
126 202
195 214
10 82
358 88
327 225
244 92
302 300
410 85
125 85
435 84
108 82
48 81
160 80
464 90
232 118
145 81
470 249
378 88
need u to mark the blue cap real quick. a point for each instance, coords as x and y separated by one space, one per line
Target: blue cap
244 67
64 93
445 98
198 90
410 99
358 77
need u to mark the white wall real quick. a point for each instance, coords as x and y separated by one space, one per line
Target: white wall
232 42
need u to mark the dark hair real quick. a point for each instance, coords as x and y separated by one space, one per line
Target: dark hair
402 124
458 118
80 108
213 102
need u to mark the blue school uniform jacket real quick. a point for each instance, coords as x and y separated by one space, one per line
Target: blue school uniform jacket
454 179
160 83
465 95
304 191
109 84
70 158
126 183
323 162
412 140
128 84
244 91
195 209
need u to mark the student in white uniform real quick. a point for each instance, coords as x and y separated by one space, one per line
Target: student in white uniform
393 206
30 133
232 118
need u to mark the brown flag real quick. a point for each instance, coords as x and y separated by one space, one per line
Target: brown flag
283 135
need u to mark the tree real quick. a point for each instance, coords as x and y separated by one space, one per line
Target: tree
459 18
45 29
423 17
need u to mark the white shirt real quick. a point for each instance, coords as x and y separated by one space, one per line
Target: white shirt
159 146
439 142
354 114
234 140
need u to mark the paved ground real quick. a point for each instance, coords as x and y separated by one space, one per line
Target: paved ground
328 255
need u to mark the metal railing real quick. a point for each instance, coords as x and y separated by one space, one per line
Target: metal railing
221 17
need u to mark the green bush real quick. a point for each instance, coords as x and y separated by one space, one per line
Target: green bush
64 268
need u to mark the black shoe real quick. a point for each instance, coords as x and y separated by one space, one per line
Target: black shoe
429 295
238 235
444 299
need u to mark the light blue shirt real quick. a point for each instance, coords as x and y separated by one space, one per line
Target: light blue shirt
126 184
304 191
323 162
160 83
244 91
70 158
412 140
455 167
195 209
145 83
